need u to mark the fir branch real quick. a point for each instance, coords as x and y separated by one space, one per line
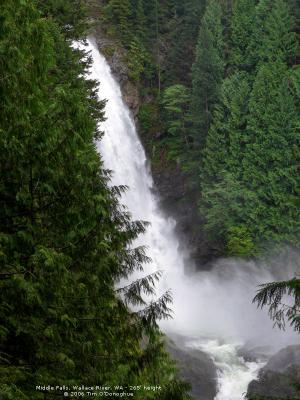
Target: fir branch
271 295
156 310
133 291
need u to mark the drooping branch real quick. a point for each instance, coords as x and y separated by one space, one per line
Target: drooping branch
146 285
156 310
272 294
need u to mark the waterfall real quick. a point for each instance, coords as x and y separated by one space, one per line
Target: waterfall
212 309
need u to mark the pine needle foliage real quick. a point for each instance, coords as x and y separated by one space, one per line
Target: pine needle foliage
274 296
133 291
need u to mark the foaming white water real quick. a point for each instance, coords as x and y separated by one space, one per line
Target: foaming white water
215 306
234 373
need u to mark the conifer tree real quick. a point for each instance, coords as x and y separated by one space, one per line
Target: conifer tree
184 28
223 192
227 136
119 12
270 162
242 22
208 71
273 133
279 41
64 240
250 159
69 15
262 11
140 21
175 101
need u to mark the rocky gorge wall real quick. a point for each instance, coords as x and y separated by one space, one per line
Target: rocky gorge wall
280 378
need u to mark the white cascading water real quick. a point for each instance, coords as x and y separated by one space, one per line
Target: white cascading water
212 309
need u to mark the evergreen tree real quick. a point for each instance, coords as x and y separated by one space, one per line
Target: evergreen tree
227 136
271 161
70 15
64 239
184 28
223 192
242 23
175 102
278 42
273 133
249 179
136 57
119 12
208 71
140 21
223 206
262 11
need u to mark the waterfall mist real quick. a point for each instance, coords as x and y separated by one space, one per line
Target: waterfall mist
218 303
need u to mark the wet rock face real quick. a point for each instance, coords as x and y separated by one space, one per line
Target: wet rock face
285 358
116 58
255 353
131 97
197 368
279 377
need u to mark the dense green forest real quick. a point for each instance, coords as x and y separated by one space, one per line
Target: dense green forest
64 240
219 80
223 80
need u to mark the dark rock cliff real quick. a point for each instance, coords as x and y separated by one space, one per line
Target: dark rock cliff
116 57
280 377
195 367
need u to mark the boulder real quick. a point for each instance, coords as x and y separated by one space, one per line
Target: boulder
196 368
280 376
285 358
